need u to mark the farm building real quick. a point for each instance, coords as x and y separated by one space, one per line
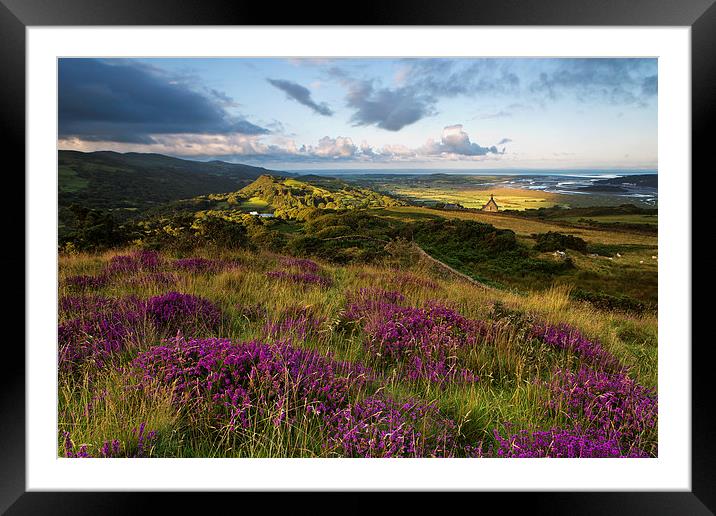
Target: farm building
490 205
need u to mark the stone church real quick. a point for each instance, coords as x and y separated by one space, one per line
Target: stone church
490 205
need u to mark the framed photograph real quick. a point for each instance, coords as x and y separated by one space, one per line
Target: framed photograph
423 252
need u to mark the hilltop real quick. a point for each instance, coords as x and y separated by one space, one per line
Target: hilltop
293 198
135 181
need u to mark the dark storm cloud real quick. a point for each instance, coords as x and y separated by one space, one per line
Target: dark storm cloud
123 102
390 109
616 81
301 95
425 82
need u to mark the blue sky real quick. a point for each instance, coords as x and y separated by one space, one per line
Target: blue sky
367 113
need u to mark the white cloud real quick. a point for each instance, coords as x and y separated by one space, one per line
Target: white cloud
455 144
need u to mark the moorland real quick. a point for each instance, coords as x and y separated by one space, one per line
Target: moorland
218 310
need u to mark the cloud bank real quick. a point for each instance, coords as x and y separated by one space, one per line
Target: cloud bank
130 103
454 144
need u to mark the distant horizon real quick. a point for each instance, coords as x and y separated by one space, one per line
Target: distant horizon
380 170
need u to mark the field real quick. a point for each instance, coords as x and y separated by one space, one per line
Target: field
617 262
510 199
474 191
256 354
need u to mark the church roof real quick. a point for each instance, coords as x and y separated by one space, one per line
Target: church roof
491 201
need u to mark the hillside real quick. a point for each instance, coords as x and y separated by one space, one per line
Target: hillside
254 354
291 198
134 182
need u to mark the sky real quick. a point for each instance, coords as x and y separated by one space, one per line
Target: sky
365 113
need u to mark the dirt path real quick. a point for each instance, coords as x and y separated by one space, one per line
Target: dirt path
446 267
425 255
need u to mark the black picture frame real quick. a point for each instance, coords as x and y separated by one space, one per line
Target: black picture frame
16 15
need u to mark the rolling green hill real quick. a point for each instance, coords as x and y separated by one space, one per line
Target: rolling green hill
134 182
292 198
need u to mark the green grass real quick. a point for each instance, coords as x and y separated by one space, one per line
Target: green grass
69 181
254 203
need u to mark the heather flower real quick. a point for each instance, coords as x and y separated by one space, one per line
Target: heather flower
114 447
297 322
95 337
382 427
83 303
612 404
427 341
69 446
557 442
238 383
174 311
302 264
570 339
135 262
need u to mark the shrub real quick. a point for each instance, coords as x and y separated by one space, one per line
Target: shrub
553 241
174 311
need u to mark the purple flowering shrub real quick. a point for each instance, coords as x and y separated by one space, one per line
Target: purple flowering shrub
301 278
297 322
83 303
141 261
555 443
379 426
565 337
239 384
114 448
431 342
613 405
96 335
102 327
608 415
174 311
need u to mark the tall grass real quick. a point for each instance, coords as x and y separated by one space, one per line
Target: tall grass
107 401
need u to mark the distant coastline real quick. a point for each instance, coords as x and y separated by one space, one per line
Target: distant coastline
581 172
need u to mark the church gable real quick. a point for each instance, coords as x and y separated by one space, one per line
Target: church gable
490 205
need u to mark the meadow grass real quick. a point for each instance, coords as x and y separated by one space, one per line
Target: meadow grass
106 400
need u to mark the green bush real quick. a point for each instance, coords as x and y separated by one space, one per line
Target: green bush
553 241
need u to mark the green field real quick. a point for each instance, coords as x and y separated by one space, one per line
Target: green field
254 203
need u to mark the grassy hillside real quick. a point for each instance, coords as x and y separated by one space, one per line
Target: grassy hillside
288 197
254 354
134 181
